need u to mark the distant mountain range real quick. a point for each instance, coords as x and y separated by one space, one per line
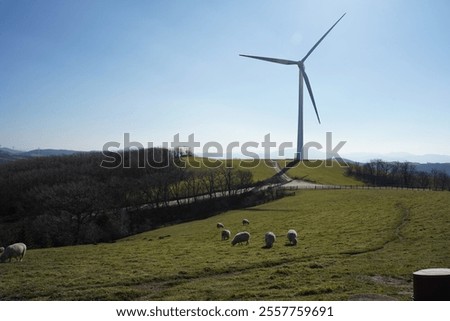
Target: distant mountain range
423 163
400 157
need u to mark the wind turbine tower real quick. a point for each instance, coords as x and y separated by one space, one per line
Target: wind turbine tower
302 77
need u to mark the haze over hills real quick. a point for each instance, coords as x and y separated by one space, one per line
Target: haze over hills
400 157
365 157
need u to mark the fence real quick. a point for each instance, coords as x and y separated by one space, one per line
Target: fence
359 187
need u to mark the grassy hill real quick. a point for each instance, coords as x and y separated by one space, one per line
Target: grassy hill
319 172
260 170
313 171
351 243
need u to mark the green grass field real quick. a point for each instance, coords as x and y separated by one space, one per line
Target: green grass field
319 172
259 169
351 243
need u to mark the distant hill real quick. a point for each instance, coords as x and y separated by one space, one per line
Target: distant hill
8 154
49 152
399 157
10 151
428 167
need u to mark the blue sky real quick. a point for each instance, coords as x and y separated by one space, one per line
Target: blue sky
78 74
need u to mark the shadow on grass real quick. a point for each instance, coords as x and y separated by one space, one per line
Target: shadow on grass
289 244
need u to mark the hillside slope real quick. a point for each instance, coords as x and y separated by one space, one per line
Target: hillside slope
351 243
320 173
260 169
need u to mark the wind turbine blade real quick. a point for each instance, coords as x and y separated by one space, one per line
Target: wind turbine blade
308 85
276 60
318 42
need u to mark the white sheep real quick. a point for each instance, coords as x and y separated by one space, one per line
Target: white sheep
16 251
245 222
241 237
269 238
292 237
226 234
220 225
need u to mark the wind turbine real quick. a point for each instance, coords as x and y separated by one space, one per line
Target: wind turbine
302 76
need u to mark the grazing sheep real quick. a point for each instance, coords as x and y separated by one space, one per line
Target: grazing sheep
245 222
16 251
292 237
226 234
241 237
220 225
2 249
269 238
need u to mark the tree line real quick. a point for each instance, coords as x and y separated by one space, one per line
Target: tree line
402 174
66 200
